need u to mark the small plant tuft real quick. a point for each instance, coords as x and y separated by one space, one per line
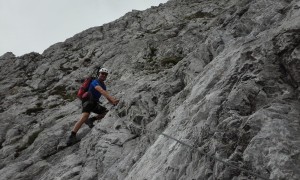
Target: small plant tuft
170 61
199 14
34 110
61 91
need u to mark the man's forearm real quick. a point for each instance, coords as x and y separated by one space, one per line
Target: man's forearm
105 94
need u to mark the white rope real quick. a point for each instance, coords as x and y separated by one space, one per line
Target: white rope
203 153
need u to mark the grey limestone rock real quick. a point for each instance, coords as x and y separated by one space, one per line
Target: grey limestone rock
220 76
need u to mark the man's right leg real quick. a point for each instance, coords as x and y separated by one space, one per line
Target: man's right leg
84 117
72 138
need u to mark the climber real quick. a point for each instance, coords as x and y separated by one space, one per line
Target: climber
96 89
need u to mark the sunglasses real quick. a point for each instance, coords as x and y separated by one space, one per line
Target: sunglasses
103 73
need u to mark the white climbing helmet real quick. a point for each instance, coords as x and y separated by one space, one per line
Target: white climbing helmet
104 70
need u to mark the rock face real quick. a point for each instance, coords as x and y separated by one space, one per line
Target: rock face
221 76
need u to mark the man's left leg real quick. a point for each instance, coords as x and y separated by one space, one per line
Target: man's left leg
100 111
102 115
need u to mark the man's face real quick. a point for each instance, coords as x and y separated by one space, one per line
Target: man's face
102 76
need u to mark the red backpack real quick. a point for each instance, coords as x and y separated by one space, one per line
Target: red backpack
83 93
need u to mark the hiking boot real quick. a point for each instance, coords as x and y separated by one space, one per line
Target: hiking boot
71 140
90 122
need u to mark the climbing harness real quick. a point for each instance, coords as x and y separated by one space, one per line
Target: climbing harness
143 129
